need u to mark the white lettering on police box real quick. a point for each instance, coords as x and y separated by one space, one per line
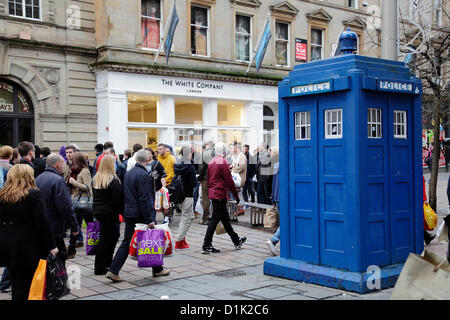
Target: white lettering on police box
311 88
395 86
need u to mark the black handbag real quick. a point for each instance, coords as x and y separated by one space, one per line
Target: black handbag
83 205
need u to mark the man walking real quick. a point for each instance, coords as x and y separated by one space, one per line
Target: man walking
27 155
207 155
137 209
219 183
58 201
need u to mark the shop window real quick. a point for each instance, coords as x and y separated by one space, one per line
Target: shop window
302 125
230 136
142 108
400 124
188 111
282 44
150 23
189 136
374 123
199 30
268 125
333 124
147 137
243 37
16 115
316 44
229 113
30 9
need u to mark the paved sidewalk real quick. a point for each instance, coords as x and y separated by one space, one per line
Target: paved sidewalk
230 275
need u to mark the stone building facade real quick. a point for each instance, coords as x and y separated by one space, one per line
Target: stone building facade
46 47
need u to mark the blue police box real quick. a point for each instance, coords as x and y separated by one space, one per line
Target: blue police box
350 172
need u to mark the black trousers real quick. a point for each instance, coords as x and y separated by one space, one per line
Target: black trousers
21 281
109 235
219 214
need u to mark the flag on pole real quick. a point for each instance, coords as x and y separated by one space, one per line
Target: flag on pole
261 51
172 26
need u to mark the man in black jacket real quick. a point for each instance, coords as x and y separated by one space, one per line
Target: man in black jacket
26 152
251 171
186 170
58 201
137 209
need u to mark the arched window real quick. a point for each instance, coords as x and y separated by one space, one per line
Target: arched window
268 125
16 115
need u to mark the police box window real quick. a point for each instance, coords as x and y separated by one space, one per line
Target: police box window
400 124
30 9
302 125
333 124
374 123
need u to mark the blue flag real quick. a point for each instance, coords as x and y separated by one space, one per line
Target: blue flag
263 46
173 25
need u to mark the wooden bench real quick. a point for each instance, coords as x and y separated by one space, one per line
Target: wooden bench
257 212
232 208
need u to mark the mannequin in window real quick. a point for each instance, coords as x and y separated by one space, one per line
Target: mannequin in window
281 48
200 35
150 27
242 42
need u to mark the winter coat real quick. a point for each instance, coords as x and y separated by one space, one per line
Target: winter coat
27 162
138 202
58 202
207 156
25 235
239 166
219 179
168 161
186 170
84 181
109 201
263 167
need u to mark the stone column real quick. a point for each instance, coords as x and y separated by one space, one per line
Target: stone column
210 120
254 120
166 115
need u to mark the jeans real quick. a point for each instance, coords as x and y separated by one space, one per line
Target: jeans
5 282
122 253
205 201
197 186
219 214
276 237
248 189
262 193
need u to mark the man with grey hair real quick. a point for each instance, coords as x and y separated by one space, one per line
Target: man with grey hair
137 209
58 201
219 183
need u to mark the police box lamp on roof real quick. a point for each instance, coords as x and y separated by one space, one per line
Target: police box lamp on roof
347 42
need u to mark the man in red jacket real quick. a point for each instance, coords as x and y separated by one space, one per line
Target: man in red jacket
219 183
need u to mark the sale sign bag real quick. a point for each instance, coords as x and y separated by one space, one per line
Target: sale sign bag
150 249
92 238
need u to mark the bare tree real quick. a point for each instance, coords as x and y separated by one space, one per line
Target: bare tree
424 43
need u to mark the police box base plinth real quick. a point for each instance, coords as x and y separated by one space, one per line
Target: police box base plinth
331 277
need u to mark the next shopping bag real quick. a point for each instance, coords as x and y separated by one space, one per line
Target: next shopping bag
150 248
92 237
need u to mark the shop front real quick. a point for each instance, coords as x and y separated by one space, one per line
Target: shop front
152 109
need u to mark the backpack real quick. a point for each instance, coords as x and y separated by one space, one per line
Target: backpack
176 190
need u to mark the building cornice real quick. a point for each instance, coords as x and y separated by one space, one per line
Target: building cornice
196 73
44 23
335 6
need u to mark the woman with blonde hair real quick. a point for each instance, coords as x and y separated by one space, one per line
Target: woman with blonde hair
108 203
25 235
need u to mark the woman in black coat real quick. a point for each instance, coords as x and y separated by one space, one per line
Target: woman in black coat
108 203
25 235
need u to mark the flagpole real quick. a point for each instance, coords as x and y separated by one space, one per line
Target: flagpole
252 55
161 41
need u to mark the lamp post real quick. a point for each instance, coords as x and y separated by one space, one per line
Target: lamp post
389 30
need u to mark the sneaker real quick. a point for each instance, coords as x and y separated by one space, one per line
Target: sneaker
210 249
241 241
181 245
162 273
113 277
271 247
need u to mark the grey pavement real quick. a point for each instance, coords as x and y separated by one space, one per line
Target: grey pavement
230 275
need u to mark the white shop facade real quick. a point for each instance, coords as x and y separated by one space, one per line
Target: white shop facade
151 109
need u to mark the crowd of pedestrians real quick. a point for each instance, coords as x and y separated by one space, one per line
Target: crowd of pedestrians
38 190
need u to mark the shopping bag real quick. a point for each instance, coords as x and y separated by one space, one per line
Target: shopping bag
150 250
92 237
271 218
162 203
220 229
132 252
424 277
56 283
169 242
237 179
37 289
442 233
430 216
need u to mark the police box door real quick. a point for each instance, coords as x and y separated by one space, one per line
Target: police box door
401 177
303 195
